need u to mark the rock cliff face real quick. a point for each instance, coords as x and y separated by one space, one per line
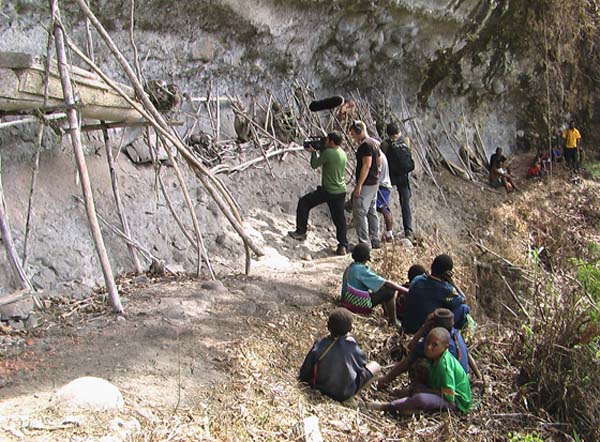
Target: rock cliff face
431 51
506 64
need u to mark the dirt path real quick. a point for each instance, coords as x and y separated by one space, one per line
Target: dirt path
174 339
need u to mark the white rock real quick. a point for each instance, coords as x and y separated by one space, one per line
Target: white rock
406 243
88 393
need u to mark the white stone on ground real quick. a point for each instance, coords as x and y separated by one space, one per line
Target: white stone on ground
88 393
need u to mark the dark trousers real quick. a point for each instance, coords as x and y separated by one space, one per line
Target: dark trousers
335 201
571 157
404 193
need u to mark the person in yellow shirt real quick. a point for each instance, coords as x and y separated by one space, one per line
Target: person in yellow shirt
572 139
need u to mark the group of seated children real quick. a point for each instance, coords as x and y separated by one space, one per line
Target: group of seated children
432 308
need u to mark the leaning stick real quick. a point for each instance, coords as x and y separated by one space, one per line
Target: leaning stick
114 179
151 114
201 249
36 160
86 187
32 120
223 168
211 184
178 220
11 252
34 174
146 254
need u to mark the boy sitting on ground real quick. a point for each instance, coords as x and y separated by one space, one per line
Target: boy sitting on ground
363 289
437 290
448 387
414 271
441 317
336 365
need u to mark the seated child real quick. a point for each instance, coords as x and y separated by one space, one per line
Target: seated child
413 272
336 365
448 387
363 289
436 290
441 317
536 170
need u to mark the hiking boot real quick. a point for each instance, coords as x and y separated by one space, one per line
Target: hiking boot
341 250
297 235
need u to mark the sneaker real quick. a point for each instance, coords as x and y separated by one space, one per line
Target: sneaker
409 235
397 325
341 250
376 244
297 235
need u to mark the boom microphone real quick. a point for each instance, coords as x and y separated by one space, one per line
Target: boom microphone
326 103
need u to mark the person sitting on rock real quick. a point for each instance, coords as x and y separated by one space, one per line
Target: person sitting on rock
448 386
336 365
429 292
441 317
363 289
499 175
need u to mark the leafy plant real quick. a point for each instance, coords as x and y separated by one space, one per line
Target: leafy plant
527 437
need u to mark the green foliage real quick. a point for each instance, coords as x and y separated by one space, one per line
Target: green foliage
524 437
588 275
558 352
592 169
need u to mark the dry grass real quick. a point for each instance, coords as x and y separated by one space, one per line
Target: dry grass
264 402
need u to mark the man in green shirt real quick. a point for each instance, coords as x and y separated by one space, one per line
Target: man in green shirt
331 191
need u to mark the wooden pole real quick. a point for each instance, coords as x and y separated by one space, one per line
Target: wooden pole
11 252
114 179
200 248
34 174
86 186
212 185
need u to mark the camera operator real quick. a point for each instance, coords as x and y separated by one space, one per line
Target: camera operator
331 191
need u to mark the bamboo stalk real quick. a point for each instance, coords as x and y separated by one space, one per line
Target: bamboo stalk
223 168
201 249
146 254
211 184
32 120
80 160
9 246
34 174
114 179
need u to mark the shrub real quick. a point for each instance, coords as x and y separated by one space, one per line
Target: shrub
559 352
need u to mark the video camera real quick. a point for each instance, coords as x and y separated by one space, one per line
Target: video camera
317 143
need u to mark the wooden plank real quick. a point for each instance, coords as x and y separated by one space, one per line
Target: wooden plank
14 297
16 60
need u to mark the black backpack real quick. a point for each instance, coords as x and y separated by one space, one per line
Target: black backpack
400 160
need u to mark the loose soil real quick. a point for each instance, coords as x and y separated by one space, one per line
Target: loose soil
216 360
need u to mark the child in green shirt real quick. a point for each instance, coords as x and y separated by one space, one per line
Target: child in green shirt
448 387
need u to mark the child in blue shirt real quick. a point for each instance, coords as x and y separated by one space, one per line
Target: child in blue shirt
363 289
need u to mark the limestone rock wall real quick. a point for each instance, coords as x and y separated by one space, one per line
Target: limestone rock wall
457 61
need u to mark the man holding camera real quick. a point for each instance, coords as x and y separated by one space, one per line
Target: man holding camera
332 190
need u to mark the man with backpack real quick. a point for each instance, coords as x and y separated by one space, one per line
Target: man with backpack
400 164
